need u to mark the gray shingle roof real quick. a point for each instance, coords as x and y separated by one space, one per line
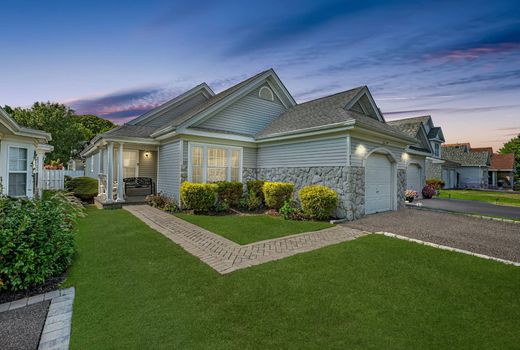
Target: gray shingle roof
409 128
323 111
130 131
464 158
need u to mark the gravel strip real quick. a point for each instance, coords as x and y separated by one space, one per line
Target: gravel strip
20 329
488 237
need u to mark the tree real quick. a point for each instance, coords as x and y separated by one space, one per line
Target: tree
94 125
513 146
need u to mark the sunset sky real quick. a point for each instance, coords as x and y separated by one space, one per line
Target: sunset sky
456 60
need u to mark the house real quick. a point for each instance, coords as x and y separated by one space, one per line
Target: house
256 130
502 171
21 151
471 165
425 155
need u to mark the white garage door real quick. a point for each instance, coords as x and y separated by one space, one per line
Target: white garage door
413 178
378 184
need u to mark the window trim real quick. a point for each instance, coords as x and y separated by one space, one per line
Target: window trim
26 172
205 147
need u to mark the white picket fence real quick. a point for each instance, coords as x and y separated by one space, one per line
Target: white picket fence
55 179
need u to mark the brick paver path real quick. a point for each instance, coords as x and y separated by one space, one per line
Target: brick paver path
226 256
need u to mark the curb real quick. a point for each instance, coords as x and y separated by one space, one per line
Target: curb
443 247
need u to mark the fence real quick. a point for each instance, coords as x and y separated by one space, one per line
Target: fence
55 179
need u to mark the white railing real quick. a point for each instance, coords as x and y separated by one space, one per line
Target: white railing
55 179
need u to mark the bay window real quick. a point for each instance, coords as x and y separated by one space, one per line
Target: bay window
17 172
212 163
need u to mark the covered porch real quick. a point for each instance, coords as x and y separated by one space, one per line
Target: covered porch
126 172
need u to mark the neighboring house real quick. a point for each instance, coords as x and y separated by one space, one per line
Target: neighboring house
22 152
502 171
472 164
256 130
424 161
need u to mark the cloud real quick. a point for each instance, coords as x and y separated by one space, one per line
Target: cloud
123 105
296 25
453 110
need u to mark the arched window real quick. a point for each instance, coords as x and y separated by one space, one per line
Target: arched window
266 93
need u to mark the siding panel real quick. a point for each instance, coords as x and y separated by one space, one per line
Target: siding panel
249 115
148 166
169 177
357 156
329 152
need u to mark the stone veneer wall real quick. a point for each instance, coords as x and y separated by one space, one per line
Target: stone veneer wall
401 187
433 171
348 182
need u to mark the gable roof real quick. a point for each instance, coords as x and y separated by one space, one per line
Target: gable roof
416 130
462 154
503 161
482 149
325 111
13 127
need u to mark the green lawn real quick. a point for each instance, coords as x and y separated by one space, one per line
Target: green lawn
253 228
500 198
135 289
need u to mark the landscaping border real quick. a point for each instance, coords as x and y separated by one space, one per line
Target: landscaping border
443 247
57 327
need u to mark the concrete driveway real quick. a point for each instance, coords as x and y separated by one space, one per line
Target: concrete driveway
470 207
489 237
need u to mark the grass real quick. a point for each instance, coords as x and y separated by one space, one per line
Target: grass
500 198
135 289
252 228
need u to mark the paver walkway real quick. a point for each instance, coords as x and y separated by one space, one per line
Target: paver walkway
226 256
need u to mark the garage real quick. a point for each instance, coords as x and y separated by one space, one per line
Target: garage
413 178
379 180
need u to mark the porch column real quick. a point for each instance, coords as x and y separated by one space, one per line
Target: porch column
494 179
110 172
120 194
100 169
40 157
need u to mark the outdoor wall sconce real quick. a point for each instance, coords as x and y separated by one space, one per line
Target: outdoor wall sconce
146 154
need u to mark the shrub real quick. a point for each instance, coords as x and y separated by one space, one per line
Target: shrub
253 201
436 183
229 192
163 202
276 193
318 201
36 239
84 188
428 191
256 186
198 197
291 211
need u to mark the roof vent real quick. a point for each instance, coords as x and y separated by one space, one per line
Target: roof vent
266 93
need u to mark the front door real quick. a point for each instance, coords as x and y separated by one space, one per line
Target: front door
130 163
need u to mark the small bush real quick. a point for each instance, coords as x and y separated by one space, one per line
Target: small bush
256 186
428 191
36 239
229 192
84 188
436 183
198 197
291 211
253 201
277 193
163 202
318 201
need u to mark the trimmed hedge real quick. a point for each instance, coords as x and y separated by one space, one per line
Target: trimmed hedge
36 239
318 201
256 186
277 193
229 192
198 197
84 188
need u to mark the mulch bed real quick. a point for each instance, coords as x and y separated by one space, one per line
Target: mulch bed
50 285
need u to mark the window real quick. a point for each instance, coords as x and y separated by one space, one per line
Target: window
437 150
17 171
210 163
92 164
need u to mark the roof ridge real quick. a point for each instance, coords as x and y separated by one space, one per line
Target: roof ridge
334 94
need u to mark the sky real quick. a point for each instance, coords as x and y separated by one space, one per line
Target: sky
458 61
